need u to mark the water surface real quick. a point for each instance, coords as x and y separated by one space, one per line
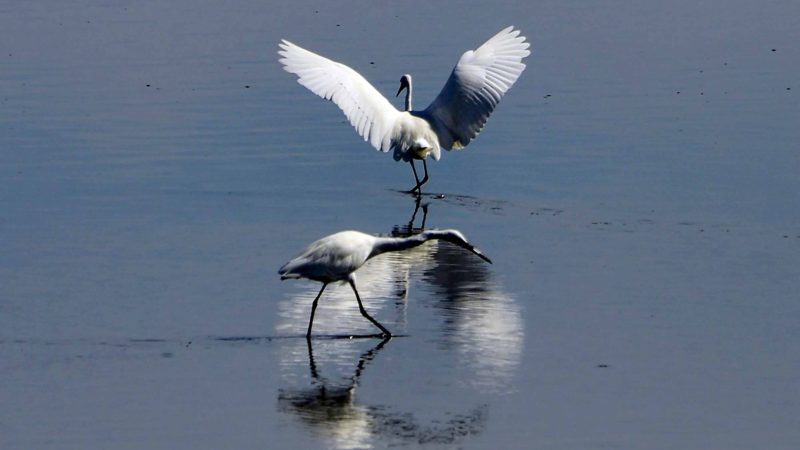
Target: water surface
637 191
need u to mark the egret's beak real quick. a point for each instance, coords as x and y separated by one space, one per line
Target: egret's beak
479 254
403 85
473 249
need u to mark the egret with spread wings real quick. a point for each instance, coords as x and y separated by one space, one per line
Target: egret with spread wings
450 122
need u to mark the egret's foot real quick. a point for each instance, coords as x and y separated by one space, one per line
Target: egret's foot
416 190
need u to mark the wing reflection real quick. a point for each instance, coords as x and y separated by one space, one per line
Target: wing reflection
331 409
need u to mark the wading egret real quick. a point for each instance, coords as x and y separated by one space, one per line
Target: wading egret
338 256
451 121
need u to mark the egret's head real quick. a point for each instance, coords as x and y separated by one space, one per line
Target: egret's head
405 83
455 237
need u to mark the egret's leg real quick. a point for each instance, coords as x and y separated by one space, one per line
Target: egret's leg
425 178
416 178
313 309
386 332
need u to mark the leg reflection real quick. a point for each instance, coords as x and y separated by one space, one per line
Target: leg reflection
365 359
409 229
331 409
329 403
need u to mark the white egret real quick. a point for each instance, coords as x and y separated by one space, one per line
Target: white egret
338 256
451 121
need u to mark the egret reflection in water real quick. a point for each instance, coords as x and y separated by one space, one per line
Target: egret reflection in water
479 320
330 407
410 228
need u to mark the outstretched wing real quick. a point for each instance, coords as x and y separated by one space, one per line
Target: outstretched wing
366 109
475 87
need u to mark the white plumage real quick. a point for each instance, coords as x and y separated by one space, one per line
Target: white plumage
451 121
338 256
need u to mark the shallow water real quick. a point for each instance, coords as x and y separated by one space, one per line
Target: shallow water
637 191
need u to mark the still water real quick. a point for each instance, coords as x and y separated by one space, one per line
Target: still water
637 190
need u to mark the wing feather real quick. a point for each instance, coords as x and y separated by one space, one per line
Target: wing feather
475 87
368 111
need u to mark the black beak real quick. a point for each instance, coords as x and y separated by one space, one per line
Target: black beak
480 254
403 85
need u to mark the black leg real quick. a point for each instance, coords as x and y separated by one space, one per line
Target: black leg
313 309
425 178
386 332
416 178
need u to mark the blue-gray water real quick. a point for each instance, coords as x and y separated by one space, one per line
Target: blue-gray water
637 189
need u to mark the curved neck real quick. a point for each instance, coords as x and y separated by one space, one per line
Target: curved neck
387 244
408 96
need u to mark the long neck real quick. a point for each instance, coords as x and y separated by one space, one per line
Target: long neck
387 244
408 96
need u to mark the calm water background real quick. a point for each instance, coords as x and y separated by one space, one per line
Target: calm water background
638 191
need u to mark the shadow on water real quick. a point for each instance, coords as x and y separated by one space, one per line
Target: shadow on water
330 407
